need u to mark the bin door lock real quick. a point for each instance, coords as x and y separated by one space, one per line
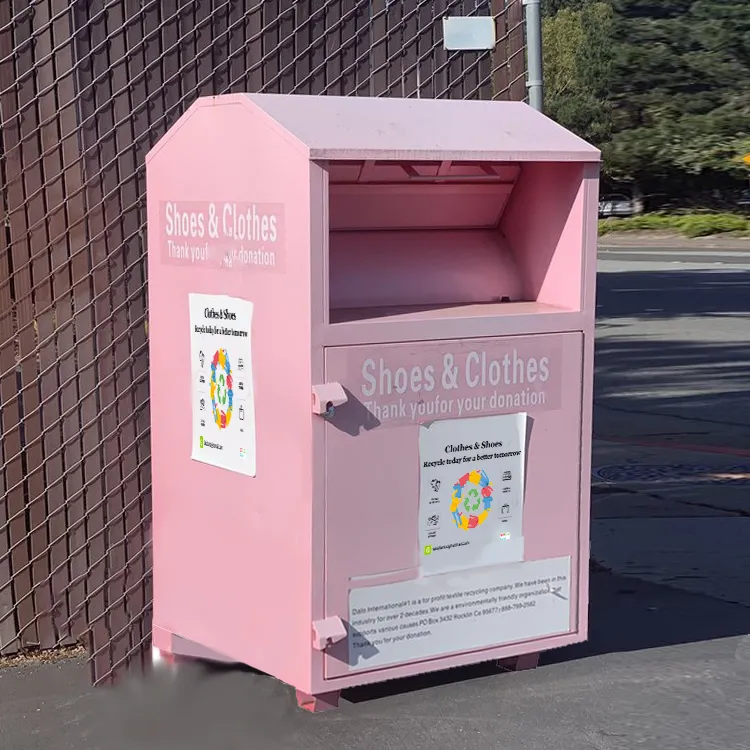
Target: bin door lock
327 632
327 397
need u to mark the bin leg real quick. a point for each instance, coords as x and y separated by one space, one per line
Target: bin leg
164 661
167 658
319 702
520 663
527 661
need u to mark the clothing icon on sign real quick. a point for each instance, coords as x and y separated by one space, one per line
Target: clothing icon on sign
505 510
241 413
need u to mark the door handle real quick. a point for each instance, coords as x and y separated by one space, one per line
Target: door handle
327 632
325 398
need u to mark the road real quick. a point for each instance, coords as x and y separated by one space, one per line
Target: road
672 341
679 255
667 666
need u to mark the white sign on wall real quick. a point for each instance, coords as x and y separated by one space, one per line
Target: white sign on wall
467 33
223 403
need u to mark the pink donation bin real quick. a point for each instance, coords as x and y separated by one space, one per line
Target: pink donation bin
371 326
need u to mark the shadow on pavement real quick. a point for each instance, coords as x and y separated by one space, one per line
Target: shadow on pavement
666 295
699 371
672 360
631 615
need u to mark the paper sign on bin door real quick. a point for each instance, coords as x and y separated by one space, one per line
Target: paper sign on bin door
454 612
471 492
223 401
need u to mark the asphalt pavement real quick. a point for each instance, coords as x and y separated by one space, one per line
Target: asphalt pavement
703 257
667 666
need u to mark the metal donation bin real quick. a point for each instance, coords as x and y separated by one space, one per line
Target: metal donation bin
371 327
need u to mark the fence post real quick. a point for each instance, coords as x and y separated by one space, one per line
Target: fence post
534 53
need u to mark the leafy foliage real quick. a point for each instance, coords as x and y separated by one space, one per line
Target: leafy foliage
661 86
692 225
577 70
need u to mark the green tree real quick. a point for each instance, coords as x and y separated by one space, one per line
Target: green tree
662 86
679 113
577 69
551 7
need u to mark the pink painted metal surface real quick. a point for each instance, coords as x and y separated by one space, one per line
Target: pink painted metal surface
231 570
545 218
374 537
409 268
169 643
432 129
347 270
417 206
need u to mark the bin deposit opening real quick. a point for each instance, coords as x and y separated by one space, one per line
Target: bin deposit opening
423 237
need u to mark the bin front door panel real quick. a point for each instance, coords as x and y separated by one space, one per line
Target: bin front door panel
373 461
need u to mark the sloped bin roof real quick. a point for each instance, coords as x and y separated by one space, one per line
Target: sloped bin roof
388 128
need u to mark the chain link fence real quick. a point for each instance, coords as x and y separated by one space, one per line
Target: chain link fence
86 89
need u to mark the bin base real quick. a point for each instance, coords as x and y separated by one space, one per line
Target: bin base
318 703
172 648
169 650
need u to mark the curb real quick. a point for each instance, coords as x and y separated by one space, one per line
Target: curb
660 241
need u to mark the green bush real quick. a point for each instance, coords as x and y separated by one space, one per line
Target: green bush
708 224
689 225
